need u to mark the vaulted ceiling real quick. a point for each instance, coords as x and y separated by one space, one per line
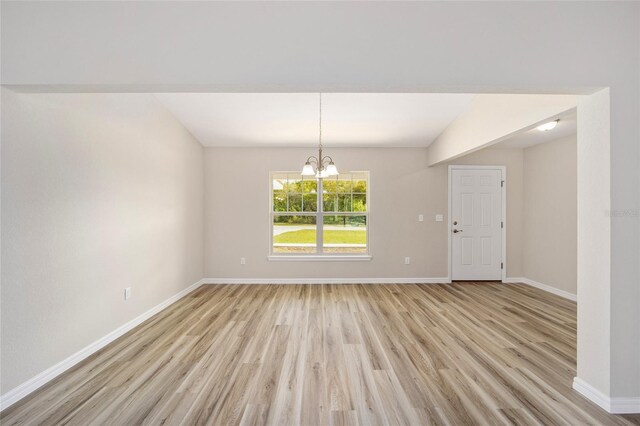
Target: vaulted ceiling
291 119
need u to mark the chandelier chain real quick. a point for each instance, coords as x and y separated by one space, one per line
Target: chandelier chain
320 141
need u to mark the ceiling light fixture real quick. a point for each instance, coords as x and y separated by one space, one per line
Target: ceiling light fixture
548 126
324 166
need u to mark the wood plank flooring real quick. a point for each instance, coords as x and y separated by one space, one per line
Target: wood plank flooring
462 353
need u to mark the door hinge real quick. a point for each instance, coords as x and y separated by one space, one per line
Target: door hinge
501 265
501 183
501 224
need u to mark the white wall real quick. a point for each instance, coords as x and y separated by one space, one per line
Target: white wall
595 299
402 187
549 244
466 47
99 192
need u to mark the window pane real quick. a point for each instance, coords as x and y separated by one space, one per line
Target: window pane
344 202
344 186
279 200
329 185
294 185
294 234
310 202
359 203
279 184
310 186
345 234
360 186
295 202
329 202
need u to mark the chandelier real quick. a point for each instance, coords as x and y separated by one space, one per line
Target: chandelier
324 166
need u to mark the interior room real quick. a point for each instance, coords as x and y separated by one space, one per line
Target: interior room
314 223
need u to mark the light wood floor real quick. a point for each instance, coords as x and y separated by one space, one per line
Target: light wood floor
463 353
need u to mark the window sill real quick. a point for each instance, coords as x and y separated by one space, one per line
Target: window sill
320 258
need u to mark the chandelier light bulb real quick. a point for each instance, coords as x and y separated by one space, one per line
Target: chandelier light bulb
307 170
332 170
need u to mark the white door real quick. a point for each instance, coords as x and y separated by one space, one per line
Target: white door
476 223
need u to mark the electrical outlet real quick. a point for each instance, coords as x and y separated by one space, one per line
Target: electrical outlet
127 293
243 260
407 260
439 218
420 218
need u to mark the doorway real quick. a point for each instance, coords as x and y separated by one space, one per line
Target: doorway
477 212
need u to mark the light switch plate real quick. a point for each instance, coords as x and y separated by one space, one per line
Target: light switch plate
420 218
127 293
439 218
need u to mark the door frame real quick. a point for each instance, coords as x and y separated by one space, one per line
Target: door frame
503 170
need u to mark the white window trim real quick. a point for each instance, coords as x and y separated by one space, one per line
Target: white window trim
318 256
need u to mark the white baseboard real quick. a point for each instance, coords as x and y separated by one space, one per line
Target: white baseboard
19 392
541 286
442 280
611 405
591 393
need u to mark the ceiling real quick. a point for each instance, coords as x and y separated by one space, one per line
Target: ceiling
291 119
567 126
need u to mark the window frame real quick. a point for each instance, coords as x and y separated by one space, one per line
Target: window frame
319 214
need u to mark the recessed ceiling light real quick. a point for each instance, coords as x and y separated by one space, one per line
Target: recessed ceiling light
548 126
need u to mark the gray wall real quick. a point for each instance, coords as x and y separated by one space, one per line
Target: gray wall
402 187
549 250
99 192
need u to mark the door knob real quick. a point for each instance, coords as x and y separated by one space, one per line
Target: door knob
455 231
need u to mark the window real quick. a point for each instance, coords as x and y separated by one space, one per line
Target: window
313 218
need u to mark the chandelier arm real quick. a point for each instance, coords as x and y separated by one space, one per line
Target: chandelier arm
327 157
313 159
